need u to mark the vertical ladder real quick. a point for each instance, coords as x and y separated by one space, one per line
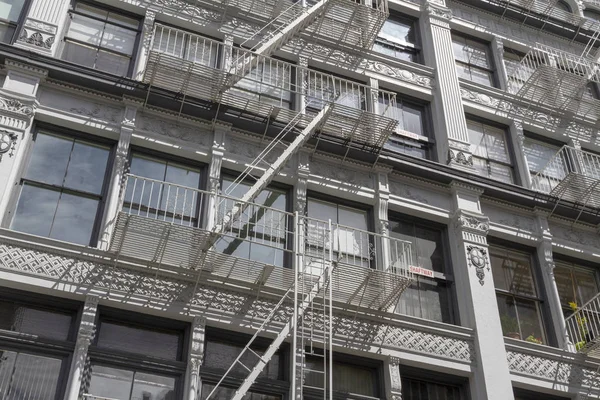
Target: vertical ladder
303 296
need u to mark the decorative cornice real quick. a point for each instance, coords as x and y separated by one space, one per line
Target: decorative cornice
16 106
479 224
438 11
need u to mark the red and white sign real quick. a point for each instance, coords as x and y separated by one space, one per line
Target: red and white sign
421 271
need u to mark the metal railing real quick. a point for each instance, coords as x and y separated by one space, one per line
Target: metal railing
260 233
567 162
583 327
273 79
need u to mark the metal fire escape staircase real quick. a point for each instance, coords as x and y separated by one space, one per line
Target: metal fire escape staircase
160 222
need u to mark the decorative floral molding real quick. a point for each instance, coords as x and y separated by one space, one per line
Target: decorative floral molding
16 106
40 26
460 157
342 174
479 224
484 99
169 128
398 73
38 39
8 143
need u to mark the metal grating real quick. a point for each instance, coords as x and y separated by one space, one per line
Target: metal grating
190 66
572 175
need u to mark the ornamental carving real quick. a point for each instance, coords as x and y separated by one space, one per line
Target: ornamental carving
438 11
45 41
41 26
398 73
485 99
477 258
460 157
16 106
472 222
169 128
8 143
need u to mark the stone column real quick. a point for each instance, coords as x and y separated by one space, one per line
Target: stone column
382 228
214 173
476 295
193 382
17 109
393 383
302 84
145 45
517 138
85 335
40 32
497 46
117 176
452 139
546 260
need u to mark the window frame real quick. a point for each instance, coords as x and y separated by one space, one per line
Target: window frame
510 152
44 347
111 9
137 362
448 276
490 69
74 135
438 378
289 204
577 264
201 214
541 299
18 24
262 385
402 46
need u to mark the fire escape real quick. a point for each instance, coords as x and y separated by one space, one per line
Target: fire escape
181 230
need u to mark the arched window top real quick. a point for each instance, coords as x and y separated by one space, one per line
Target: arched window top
592 14
563 5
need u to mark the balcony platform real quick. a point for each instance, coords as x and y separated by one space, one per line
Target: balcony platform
350 125
579 188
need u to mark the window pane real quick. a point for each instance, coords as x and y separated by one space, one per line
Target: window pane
35 211
44 323
86 30
87 167
353 218
91 10
26 376
396 30
110 382
587 287
112 63
565 285
413 389
152 387
512 272
74 219
412 118
348 378
495 143
538 154
478 54
508 317
322 210
481 76
461 51
79 54
49 159
529 319
122 20
476 139
501 172
118 39
224 393
221 355
11 9
138 340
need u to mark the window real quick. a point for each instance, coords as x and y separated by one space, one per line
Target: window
351 243
411 136
420 384
221 349
135 361
353 378
575 283
539 154
44 359
261 233
11 12
102 39
592 14
521 394
62 189
490 152
427 297
564 6
324 86
518 299
398 39
174 200
270 81
185 45
473 61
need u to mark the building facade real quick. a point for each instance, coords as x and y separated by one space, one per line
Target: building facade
282 199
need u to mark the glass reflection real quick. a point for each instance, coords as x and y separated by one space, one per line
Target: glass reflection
124 384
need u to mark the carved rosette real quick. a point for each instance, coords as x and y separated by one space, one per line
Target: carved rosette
477 257
8 143
39 38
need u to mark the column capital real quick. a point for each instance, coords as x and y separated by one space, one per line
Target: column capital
438 13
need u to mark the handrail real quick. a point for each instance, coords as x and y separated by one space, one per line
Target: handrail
583 326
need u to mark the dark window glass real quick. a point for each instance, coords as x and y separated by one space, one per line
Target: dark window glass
411 137
592 14
473 60
576 284
397 39
564 6
516 292
101 39
349 378
116 383
185 45
35 321
225 393
62 188
29 376
427 297
131 339
415 389
489 147
260 233
220 355
10 14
